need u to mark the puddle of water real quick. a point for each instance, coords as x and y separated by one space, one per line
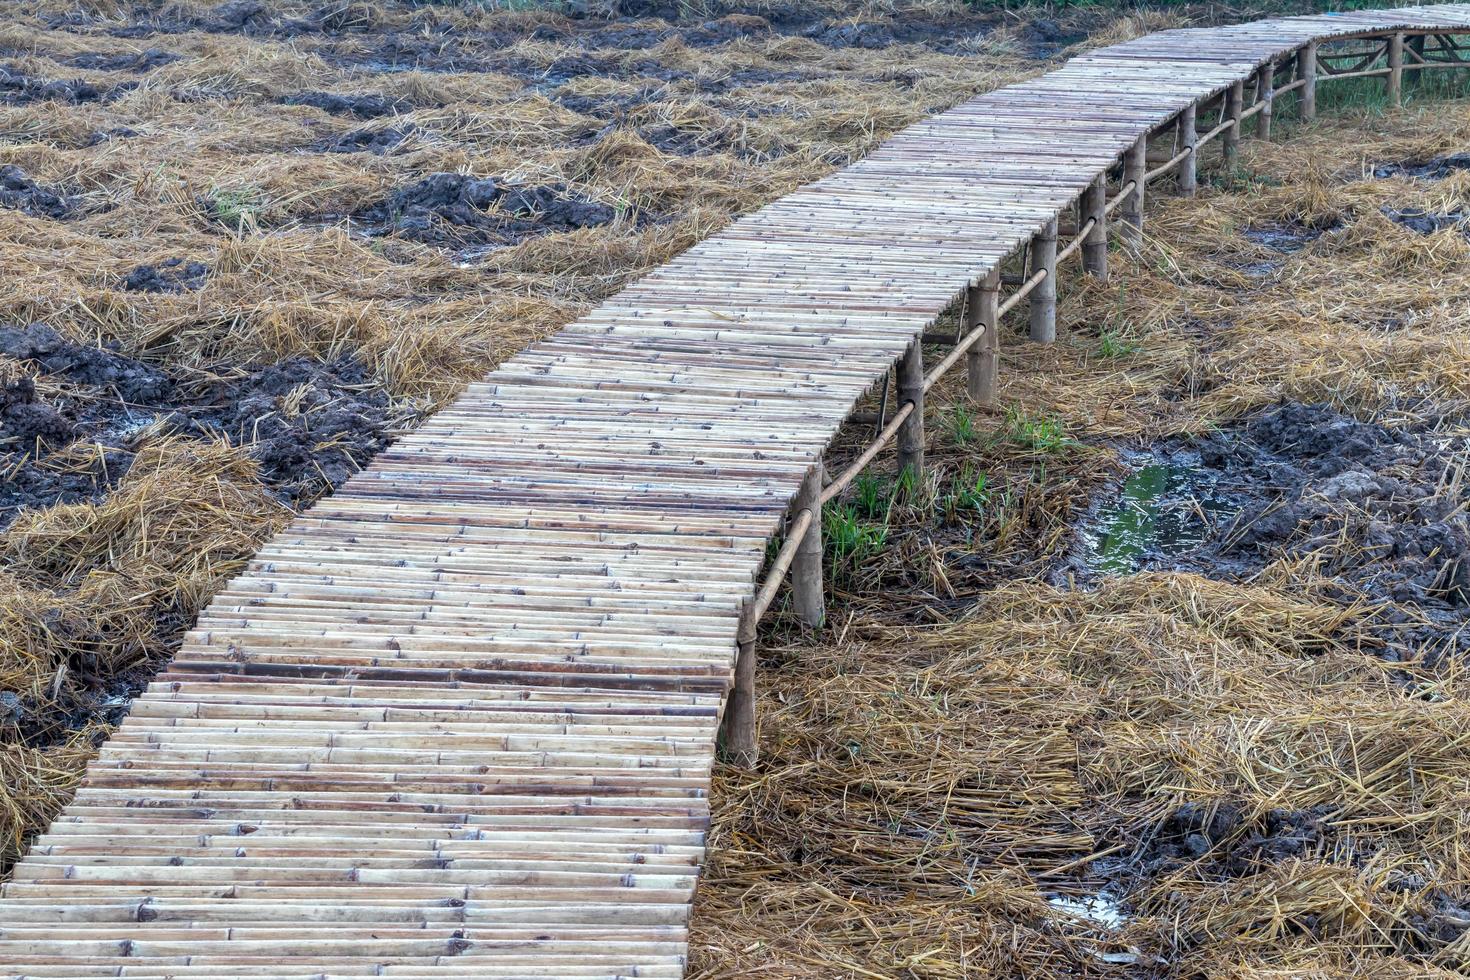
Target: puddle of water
1101 909
1286 238
1260 270
1168 506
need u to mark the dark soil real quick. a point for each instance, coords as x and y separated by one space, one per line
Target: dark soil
142 62
376 141
1217 844
361 106
1427 222
1381 507
546 77
170 276
1309 478
116 133
1221 844
243 16
1436 169
19 192
121 377
681 142
310 425
18 88
456 210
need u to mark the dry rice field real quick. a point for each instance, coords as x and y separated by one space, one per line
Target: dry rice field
1158 672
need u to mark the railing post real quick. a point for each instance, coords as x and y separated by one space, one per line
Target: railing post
737 724
1306 71
1396 70
806 568
1135 169
1044 295
1266 95
1232 135
1095 245
981 361
1189 140
911 389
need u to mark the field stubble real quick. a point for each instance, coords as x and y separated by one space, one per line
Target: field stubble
994 760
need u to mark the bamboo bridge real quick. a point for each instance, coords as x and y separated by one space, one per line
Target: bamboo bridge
458 719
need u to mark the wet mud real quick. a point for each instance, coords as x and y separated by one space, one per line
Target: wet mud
20 192
1220 843
169 276
310 425
1428 222
143 61
376 141
18 88
1384 510
455 210
1437 168
362 106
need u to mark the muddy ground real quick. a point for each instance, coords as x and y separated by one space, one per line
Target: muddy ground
1383 509
309 425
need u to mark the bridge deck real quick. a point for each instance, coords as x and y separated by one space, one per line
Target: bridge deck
459 718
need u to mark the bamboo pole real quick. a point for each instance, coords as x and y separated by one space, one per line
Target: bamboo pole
1306 73
737 725
1044 297
808 596
841 481
1135 171
982 361
1266 96
1415 45
1231 147
1189 140
1095 246
1396 70
911 389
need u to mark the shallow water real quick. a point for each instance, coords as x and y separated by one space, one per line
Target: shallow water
1167 507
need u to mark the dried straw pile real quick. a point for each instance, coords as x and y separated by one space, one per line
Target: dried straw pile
96 597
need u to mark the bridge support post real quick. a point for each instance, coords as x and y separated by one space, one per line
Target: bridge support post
1233 99
807 593
1135 170
911 389
1095 245
1396 70
1044 295
1266 95
737 724
1189 140
1306 72
1414 44
982 360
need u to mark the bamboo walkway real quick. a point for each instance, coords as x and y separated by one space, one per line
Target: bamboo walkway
458 720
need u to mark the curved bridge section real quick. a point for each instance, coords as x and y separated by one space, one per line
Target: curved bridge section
459 719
